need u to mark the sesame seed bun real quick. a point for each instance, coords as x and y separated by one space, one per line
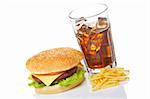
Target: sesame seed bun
57 88
54 60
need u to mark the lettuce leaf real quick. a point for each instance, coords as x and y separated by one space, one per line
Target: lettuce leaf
65 82
36 84
72 79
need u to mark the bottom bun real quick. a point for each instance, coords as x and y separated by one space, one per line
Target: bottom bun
56 88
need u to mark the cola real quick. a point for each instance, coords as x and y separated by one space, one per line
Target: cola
95 40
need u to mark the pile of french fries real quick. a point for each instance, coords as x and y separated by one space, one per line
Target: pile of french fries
108 77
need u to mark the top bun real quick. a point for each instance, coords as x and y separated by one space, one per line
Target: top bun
54 60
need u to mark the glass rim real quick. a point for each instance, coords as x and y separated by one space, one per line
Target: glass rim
75 18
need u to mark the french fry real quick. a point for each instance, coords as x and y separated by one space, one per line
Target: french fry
98 85
109 85
108 77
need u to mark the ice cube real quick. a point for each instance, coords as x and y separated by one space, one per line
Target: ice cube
80 22
83 28
99 35
90 24
79 35
102 23
86 35
93 47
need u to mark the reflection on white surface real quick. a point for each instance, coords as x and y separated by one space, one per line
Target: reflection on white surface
82 92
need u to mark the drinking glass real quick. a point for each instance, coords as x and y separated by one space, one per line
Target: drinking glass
93 32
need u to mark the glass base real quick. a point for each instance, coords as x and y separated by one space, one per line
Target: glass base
95 71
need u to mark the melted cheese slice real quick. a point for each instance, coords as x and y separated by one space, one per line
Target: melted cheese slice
47 79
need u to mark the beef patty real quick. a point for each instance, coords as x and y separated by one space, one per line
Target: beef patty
66 74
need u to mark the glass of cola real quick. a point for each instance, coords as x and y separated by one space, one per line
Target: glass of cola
93 32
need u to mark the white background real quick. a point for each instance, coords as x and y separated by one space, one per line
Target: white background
30 26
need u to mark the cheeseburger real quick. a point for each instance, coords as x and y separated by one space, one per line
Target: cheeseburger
55 70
